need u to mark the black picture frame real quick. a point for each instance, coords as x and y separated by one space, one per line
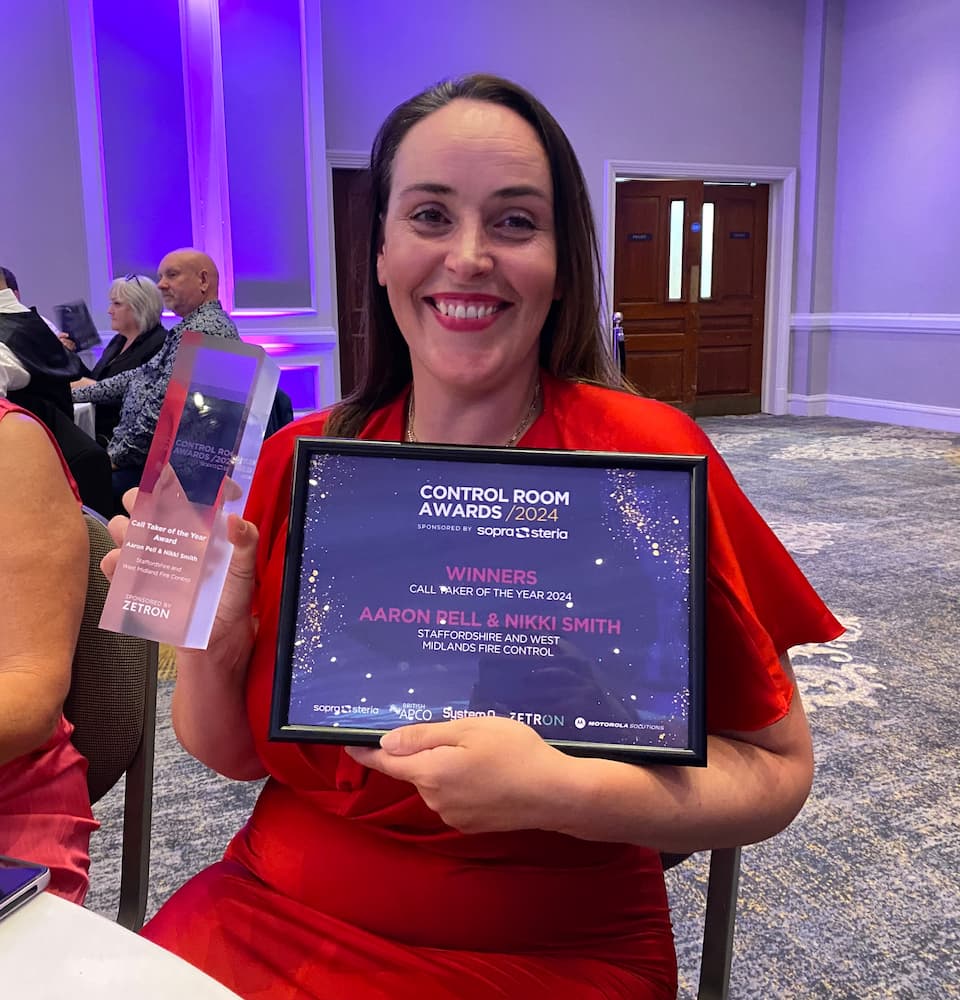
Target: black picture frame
354 524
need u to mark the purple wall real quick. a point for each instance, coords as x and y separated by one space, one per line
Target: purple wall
862 94
896 238
144 138
628 79
915 367
41 207
261 53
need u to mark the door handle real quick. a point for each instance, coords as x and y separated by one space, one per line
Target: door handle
619 349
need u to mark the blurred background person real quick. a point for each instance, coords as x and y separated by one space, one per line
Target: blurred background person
135 307
39 380
13 375
12 287
37 348
44 805
189 283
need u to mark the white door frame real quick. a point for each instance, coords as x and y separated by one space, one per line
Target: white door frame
780 251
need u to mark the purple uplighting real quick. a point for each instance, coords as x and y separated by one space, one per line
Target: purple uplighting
221 157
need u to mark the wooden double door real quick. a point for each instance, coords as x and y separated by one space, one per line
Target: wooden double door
689 281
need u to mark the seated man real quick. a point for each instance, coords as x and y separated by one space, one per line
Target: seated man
42 371
188 281
13 288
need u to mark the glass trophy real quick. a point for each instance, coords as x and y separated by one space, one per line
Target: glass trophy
174 559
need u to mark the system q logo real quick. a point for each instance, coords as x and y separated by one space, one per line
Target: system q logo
580 722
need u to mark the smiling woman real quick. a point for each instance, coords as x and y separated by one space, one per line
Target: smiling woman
475 187
468 858
468 258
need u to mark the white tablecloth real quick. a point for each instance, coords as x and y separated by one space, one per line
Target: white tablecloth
51 949
83 417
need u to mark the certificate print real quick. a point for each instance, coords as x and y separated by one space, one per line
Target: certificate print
430 590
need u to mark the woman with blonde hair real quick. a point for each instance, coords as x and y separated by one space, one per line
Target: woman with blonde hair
135 307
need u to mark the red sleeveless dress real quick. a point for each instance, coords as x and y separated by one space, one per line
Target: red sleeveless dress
345 884
44 805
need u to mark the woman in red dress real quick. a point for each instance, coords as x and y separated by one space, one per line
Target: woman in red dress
469 858
44 805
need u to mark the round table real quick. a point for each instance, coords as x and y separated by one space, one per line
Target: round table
50 949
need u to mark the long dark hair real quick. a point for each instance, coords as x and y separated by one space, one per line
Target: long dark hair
571 342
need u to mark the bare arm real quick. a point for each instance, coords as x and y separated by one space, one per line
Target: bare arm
754 785
44 568
467 771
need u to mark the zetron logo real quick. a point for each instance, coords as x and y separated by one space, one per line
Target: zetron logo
522 532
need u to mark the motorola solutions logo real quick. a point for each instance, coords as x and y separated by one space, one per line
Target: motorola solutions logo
580 722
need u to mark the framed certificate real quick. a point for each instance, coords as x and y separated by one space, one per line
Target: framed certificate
425 583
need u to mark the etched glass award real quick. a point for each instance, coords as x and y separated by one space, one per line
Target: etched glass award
174 559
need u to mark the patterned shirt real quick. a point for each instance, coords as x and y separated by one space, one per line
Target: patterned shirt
141 390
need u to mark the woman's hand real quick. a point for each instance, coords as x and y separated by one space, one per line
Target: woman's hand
233 619
209 700
117 526
482 775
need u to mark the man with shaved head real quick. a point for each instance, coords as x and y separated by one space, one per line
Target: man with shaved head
188 281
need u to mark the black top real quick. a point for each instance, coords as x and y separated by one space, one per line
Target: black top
115 360
142 349
51 366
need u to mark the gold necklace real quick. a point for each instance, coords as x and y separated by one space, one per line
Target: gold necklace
522 427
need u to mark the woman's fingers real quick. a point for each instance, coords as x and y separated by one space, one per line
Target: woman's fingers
238 587
108 564
130 498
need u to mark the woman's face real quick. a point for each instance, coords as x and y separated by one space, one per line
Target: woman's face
122 318
469 257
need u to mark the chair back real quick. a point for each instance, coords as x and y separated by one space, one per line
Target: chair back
719 919
112 705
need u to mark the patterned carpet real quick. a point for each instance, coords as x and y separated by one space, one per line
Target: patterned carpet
167 666
860 898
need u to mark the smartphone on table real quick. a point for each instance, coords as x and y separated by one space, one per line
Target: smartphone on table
20 881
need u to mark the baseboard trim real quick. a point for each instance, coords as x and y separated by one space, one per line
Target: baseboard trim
806 406
915 323
884 411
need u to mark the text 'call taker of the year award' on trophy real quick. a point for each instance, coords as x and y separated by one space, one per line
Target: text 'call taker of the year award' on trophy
174 559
